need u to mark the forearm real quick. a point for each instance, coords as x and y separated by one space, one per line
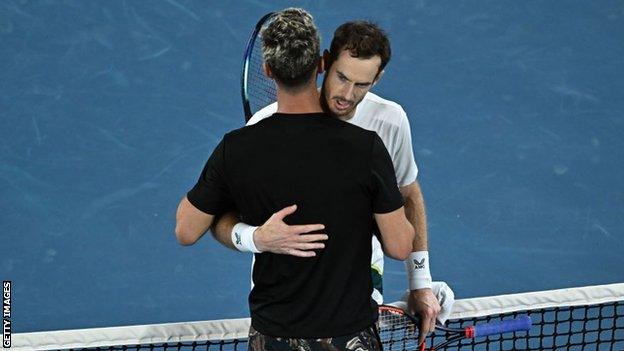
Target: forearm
415 213
419 276
222 229
273 236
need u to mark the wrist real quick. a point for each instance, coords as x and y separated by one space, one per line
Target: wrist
243 238
417 268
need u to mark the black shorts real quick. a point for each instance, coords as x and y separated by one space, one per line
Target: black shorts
365 340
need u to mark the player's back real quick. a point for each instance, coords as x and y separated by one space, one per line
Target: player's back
293 159
326 167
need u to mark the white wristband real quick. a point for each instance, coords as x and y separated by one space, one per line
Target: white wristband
242 238
417 267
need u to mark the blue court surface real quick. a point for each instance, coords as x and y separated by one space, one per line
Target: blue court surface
109 109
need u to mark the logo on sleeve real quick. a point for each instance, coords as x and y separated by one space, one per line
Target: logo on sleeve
238 239
419 264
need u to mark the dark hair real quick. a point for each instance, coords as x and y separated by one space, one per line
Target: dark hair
363 39
291 46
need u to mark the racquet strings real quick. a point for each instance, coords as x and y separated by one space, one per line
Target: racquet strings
260 90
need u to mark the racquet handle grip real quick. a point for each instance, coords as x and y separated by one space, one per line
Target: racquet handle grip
522 323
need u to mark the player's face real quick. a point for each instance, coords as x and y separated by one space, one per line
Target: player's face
347 81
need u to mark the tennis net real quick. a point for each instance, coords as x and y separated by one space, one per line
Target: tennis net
587 318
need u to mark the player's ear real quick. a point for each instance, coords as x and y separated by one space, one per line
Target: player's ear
379 75
321 66
267 70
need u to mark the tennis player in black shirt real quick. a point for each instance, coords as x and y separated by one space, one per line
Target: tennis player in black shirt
336 173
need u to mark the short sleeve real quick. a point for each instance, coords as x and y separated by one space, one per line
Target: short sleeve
211 193
403 156
386 195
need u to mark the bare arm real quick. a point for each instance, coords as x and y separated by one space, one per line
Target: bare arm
222 229
397 234
274 235
415 213
421 302
191 223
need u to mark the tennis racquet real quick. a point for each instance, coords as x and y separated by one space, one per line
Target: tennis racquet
398 330
257 89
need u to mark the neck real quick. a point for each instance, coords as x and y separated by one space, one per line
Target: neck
305 100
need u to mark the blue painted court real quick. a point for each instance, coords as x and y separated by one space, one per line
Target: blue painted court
109 109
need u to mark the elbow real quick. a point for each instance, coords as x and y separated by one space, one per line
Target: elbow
402 248
191 223
405 252
400 254
184 237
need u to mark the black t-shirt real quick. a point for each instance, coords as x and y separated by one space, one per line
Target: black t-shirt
337 174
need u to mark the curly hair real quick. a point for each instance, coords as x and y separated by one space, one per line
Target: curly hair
363 39
291 47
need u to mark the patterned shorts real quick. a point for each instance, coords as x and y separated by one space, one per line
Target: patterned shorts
365 340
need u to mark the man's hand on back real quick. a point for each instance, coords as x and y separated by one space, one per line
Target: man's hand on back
278 237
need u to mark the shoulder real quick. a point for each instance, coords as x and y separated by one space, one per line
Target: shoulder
376 108
244 131
366 139
355 129
382 103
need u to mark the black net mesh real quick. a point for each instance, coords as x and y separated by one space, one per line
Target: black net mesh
592 327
